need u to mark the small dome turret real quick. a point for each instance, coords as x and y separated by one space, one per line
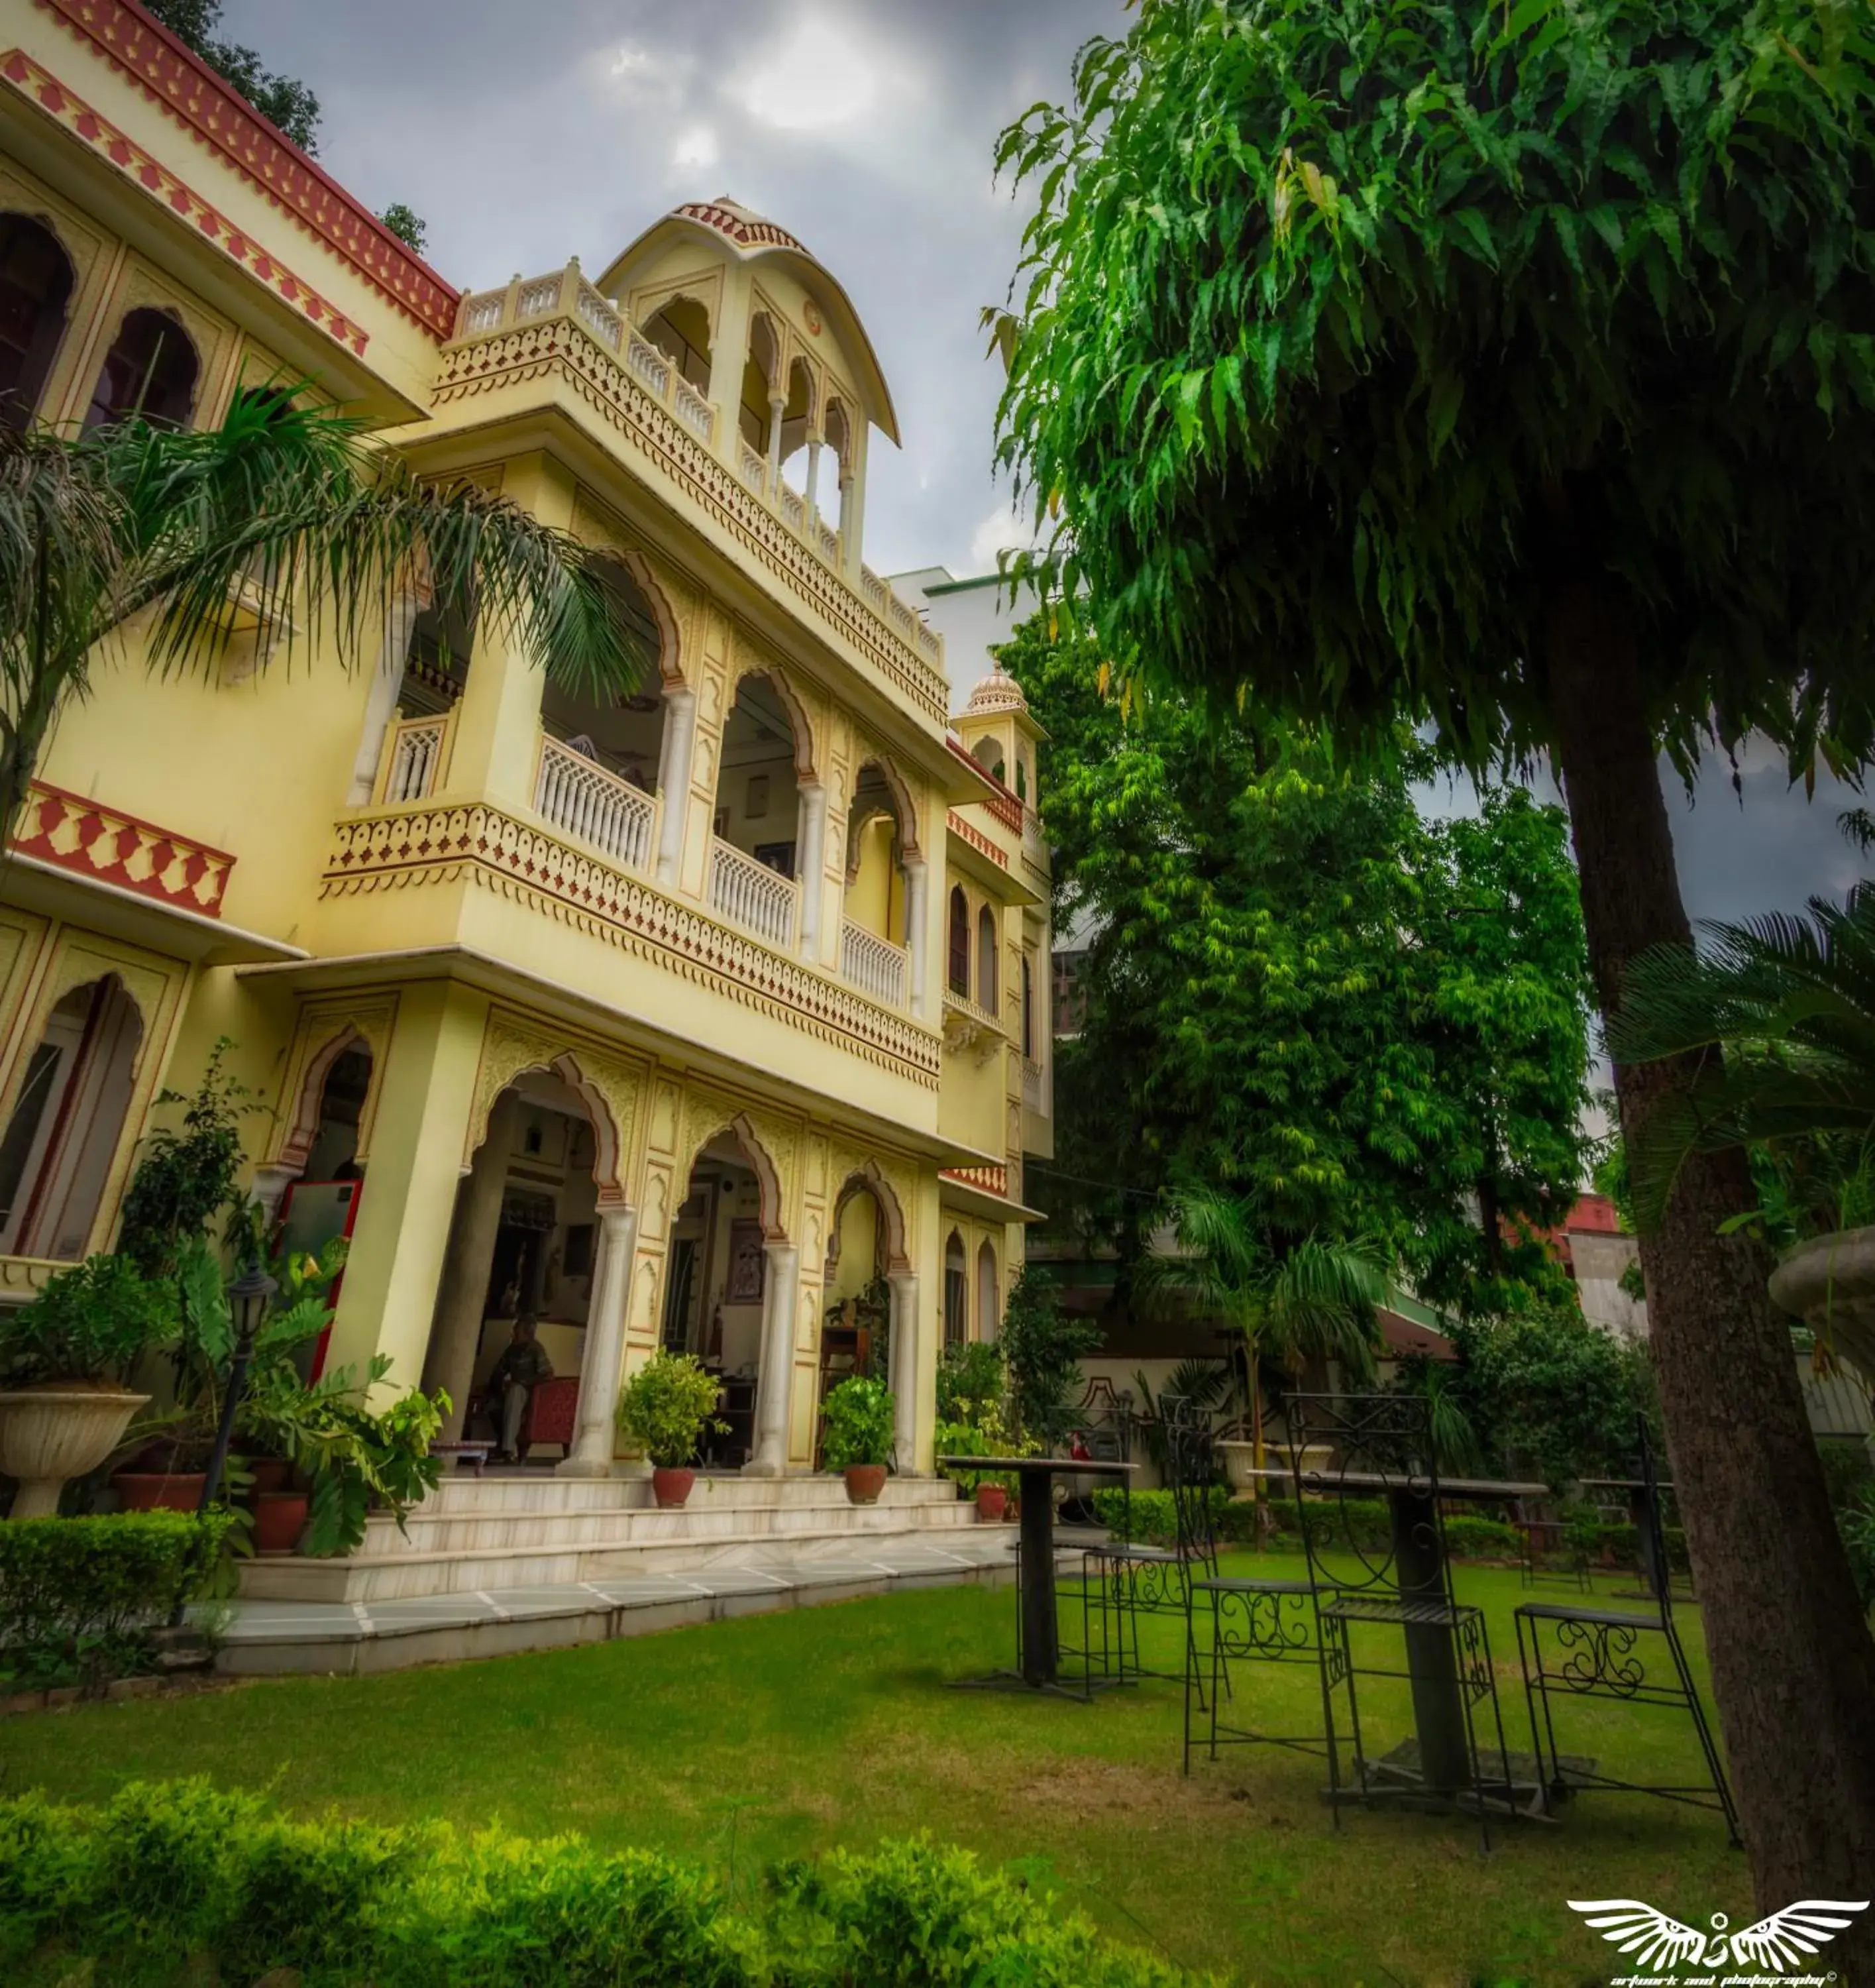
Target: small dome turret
997 692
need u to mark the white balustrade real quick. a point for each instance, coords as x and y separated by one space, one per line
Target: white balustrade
793 506
753 464
484 313
581 797
750 895
693 409
539 297
649 363
1031 1085
598 317
416 758
872 965
875 588
931 644
829 544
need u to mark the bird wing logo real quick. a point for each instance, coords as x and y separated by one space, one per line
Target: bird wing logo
1785 1940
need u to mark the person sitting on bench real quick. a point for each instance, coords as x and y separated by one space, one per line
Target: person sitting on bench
521 1369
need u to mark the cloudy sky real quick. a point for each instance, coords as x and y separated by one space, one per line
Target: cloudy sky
526 134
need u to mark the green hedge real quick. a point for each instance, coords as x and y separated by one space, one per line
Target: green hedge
171 1879
78 1596
1363 1522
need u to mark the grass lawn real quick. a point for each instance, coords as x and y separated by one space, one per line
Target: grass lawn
782 1735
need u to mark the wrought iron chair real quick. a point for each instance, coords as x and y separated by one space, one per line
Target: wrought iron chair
1133 1579
1383 1448
1546 1557
1240 1619
1599 1653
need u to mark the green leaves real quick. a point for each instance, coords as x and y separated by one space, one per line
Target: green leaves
1330 309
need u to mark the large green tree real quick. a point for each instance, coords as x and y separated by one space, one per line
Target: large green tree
1508 369
1343 1017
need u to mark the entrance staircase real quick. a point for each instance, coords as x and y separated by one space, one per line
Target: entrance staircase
473 1534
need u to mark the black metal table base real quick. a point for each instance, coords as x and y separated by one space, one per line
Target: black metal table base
1082 1694
1512 1785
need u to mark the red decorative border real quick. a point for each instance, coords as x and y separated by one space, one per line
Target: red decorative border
175 77
93 841
77 117
977 839
985 1180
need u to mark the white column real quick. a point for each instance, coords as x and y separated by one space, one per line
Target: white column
811 866
915 872
271 1182
905 1370
386 686
776 1379
673 779
813 476
591 1455
777 402
852 508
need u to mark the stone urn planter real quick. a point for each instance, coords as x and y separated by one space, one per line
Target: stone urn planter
670 1487
49 1436
1830 1284
992 1502
1240 1459
864 1482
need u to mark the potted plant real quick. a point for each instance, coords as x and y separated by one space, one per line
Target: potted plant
63 1359
665 1408
984 1433
857 1437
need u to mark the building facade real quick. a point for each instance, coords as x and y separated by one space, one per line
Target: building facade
708 1018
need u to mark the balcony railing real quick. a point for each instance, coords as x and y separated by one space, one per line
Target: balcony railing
577 794
1034 1095
415 758
750 895
872 965
565 293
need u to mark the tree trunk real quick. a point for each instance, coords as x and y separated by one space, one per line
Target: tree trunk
1793 1665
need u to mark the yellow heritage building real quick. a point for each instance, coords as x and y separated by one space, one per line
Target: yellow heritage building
676 1022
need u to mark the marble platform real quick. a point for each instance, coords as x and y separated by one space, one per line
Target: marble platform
263 1636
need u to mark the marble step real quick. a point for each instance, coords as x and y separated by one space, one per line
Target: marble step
448 1529
417 1573
461 1491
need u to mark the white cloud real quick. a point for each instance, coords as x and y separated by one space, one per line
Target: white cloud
696 147
1006 529
818 78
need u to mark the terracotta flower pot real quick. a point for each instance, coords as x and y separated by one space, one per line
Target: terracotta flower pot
864 1482
269 1473
671 1488
50 1434
279 1518
992 1502
159 1490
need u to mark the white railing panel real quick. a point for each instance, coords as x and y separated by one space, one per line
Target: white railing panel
1034 1091
692 408
416 758
750 895
599 316
484 313
793 506
829 544
649 363
581 798
539 297
753 464
872 965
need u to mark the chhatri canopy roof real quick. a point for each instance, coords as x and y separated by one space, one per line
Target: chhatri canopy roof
753 237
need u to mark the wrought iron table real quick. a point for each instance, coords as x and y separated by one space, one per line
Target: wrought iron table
1438 1759
1041 1644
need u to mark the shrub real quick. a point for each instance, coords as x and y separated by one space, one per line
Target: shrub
969 1379
1361 1522
667 1405
88 1325
175 1876
78 1596
1044 1347
858 1424
185 1179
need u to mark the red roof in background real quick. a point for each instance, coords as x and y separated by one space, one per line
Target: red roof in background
1405 1335
217 116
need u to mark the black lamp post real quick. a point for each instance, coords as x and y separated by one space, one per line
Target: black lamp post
248 1297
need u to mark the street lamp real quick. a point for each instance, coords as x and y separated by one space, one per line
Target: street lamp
248 1297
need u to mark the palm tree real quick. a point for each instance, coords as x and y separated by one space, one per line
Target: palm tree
1313 1294
294 511
1783 1008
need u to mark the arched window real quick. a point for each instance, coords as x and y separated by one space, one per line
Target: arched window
35 286
986 959
1022 778
956 1293
681 332
755 854
759 371
62 1135
988 753
150 371
989 1306
960 942
1028 1009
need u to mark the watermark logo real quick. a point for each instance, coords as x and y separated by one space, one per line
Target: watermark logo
1661 1946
